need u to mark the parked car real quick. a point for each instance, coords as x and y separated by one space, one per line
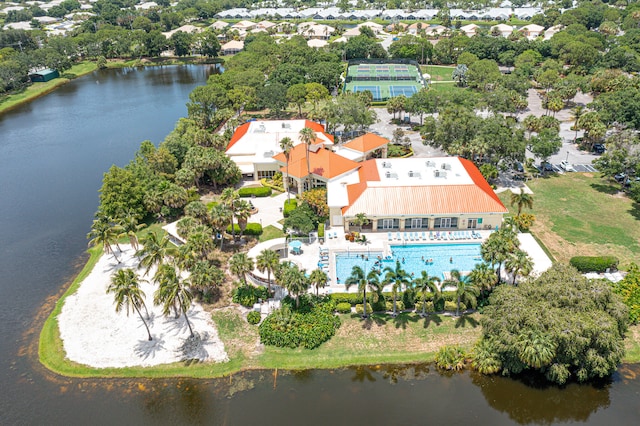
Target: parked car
518 167
546 166
620 177
566 166
598 148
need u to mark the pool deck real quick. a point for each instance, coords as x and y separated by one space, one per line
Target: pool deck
377 242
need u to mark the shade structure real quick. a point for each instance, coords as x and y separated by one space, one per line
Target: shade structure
295 244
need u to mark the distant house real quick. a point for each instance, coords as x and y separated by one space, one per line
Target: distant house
532 31
232 47
470 30
44 75
219 25
502 29
317 44
550 32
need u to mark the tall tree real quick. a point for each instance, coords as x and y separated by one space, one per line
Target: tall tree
268 260
307 137
518 263
295 281
240 264
220 216
398 278
427 284
155 250
360 220
286 145
318 278
127 293
363 282
229 198
521 199
105 233
172 293
465 290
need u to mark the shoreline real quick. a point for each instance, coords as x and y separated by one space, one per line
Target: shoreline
52 355
36 90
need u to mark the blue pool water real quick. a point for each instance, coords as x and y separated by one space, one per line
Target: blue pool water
446 257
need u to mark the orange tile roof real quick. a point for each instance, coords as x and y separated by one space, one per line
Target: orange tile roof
478 197
367 142
238 134
324 163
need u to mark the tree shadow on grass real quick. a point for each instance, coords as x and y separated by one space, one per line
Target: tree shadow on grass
404 318
434 319
145 349
463 320
370 320
605 188
635 211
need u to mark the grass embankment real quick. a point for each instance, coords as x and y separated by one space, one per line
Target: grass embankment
438 72
270 232
38 89
581 214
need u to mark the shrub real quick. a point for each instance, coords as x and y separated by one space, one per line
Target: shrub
356 298
453 306
428 308
594 263
321 230
252 229
449 296
360 310
248 295
287 329
451 358
273 184
343 308
255 191
289 206
253 317
399 306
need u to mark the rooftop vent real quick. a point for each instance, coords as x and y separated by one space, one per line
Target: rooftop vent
391 175
261 129
429 163
269 154
439 173
286 125
446 166
386 165
414 174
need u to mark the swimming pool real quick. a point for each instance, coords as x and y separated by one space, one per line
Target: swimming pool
445 257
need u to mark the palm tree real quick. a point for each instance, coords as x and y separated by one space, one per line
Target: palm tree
358 278
426 283
295 281
576 113
496 249
307 137
286 144
518 262
105 233
465 289
399 278
219 218
268 261
240 264
242 212
130 226
127 293
482 276
535 349
229 197
522 200
360 220
205 276
155 250
200 240
172 293
318 278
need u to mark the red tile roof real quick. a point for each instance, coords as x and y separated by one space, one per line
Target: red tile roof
324 163
238 134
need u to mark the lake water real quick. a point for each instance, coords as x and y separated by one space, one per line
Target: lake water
53 152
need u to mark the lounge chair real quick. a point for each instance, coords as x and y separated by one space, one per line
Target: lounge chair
388 236
411 236
398 236
405 236
424 236
431 235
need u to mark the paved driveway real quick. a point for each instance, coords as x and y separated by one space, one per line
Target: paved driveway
385 128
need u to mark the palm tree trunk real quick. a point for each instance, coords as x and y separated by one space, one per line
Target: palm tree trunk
188 323
458 307
287 186
424 304
515 274
143 321
269 281
364 303
394 304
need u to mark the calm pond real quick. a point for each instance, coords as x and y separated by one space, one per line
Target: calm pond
53 152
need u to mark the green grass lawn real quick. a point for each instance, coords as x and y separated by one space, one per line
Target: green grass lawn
445 87
270 232
583 214
438 72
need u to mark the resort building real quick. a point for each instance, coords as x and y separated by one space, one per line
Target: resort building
254 144
440 193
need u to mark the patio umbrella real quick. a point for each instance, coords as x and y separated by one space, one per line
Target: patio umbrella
295 246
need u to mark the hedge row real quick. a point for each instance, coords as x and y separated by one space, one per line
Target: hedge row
594 263
255 191
321 230
286 329
343 308
264 182
252 229
289 206
409 298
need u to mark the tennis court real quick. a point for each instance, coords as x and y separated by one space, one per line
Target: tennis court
384 81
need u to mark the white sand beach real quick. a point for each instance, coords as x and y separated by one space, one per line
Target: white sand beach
94 334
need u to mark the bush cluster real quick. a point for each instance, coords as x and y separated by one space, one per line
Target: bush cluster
251 229
287 329
343 308
248 295
378 302
289 206
360 309
399 305
255 191
594 263
321 230
428 308
452 306
253 317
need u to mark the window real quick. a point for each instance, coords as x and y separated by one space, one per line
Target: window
472 223
416 223
388 223
446 222
266 174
